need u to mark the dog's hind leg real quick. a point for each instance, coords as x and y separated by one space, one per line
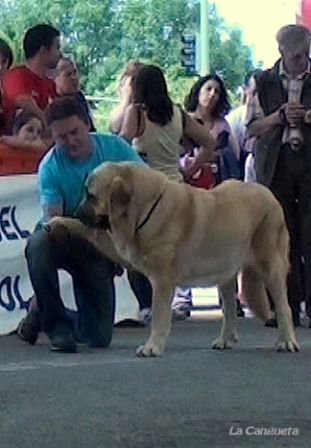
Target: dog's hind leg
276 284
271 256
162 291
254 293
228 332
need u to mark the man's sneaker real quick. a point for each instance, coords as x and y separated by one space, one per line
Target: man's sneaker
239 309
272 322
62 340
181 312
29 327
144 316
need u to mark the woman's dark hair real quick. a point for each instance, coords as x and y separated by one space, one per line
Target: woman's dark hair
6 52
149 89
23 118
65 107
192 99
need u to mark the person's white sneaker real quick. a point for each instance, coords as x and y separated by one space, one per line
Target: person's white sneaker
144 316
181 312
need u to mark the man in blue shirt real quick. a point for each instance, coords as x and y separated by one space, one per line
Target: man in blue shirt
61 178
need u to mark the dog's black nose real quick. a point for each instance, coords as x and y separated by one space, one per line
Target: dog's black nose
104 222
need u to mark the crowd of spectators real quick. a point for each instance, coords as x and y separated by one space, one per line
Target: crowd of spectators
147 128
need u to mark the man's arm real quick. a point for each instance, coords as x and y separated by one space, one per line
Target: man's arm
51 197
259 126
289 113
26 102
18 92
257 123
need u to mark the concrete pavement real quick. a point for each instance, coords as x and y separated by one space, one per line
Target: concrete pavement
192 397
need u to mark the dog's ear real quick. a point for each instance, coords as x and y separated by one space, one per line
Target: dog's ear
120 193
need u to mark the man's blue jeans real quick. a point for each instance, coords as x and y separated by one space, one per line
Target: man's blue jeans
92 274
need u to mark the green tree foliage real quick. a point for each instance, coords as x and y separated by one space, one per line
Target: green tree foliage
230 57
103 34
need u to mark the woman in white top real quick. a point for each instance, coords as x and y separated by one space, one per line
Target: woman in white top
156 128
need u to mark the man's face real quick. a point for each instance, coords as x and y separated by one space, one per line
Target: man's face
67 80
295 62
72 135
53 53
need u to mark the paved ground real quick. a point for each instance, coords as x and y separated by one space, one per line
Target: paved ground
193 397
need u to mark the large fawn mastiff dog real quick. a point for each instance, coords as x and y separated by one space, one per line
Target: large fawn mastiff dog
180 235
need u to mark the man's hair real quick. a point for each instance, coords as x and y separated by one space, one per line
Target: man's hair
293 38
6 52
41 35
65 107
23 118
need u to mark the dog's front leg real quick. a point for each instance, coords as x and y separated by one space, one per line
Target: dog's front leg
61 228
162 292
228 333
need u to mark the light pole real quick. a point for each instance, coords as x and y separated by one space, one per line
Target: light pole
204 38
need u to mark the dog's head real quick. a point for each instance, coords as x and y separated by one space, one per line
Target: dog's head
108 192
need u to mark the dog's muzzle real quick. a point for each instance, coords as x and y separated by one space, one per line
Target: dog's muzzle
87 215
100 221
103 222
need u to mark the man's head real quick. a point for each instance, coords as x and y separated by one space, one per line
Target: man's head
294 45
70 127
66 79
43 40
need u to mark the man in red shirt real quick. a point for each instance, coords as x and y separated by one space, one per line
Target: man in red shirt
27 86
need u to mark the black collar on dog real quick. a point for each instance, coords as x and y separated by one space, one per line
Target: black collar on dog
149 214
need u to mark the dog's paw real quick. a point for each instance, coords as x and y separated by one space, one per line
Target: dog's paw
287 346
148 351
222 344
57 229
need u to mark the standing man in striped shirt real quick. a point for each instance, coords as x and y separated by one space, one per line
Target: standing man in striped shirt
279 115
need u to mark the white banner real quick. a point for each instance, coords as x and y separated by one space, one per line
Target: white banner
19 213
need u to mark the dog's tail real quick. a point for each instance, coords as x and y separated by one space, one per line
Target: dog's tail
254 293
